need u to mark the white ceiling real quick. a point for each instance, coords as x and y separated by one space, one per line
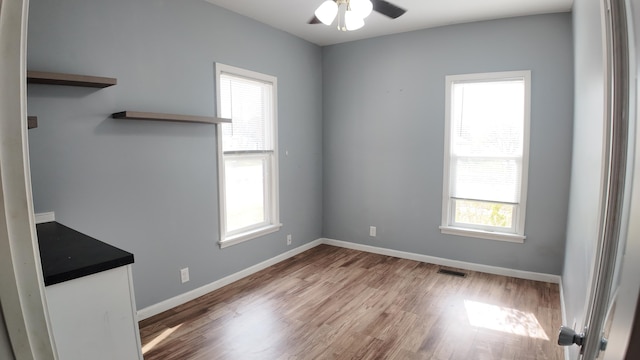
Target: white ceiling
292 15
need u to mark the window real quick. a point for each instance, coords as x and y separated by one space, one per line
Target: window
247 154
486 155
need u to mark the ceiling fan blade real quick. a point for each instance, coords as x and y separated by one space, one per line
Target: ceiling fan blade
314 20
387 8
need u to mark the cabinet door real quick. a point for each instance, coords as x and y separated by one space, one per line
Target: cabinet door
93 317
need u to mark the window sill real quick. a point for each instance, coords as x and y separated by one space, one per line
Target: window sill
250 235
489 235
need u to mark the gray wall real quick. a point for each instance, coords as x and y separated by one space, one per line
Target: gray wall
384 126
586 171
151 187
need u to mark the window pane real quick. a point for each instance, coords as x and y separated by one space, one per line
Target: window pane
483 213
248 104
245 196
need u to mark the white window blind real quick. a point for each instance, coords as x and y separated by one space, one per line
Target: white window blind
487 140
248 103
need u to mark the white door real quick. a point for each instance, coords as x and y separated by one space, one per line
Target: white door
622 300
615 283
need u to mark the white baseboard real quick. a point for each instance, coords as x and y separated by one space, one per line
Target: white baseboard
45 217
528 275
193 294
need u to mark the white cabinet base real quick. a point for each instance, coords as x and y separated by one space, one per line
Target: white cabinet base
93 317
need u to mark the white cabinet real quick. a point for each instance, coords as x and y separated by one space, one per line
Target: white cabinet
93 317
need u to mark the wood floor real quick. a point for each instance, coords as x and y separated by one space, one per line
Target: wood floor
336 303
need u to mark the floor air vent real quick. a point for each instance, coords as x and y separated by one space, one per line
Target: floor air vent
452 273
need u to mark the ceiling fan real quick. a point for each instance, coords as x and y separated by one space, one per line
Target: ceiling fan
351 13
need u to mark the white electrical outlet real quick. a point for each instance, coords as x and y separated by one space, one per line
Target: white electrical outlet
184 275
289 239
372 231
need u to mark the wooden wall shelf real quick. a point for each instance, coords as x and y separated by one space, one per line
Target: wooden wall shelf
49 78
137 115
32 122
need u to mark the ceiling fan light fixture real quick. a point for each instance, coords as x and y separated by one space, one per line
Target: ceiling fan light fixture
350 14
327 12
353 20
361 7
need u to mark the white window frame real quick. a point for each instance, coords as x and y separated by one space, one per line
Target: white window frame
272 208
448 225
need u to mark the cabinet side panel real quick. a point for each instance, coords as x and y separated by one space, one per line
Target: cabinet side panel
92 317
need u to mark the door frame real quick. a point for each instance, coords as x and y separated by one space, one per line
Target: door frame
21 282
628 291
614 286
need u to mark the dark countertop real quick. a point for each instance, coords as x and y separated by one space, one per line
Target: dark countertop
67 254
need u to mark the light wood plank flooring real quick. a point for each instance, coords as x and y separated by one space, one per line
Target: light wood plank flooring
335 303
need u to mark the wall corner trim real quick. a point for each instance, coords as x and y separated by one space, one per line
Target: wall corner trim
563 311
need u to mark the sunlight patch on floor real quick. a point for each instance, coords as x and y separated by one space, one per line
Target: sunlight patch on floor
503 319
158 339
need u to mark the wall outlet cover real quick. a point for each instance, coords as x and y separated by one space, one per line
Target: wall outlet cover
184 275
